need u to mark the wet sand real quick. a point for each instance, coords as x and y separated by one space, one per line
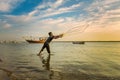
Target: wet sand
52 75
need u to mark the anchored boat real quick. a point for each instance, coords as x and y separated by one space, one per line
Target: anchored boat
78 42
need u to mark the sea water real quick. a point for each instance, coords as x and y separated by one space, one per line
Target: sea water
68 61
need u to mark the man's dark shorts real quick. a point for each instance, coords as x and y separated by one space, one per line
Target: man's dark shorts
47 47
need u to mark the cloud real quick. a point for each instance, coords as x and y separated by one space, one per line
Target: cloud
36 15
110 2
51 12
49 9
55 4
32 13
97 13
47 6
5 24
104 12
8 5
20 19
114 13
53 21
52 9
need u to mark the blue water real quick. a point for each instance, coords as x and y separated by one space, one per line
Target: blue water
91 58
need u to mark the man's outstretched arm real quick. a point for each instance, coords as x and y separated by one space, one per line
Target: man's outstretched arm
58 36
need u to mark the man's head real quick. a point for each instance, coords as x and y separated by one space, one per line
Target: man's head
50 34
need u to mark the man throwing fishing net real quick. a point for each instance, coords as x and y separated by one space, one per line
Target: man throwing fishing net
46 43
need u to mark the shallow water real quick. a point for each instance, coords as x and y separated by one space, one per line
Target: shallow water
89 61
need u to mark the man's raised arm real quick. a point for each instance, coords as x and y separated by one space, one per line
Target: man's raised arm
58 36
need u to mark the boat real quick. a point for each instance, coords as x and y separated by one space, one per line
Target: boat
78 42
35 41
41 40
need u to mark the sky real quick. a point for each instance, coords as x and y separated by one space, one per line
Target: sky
89 20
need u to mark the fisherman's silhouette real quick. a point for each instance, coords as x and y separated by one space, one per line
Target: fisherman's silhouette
47 42
46 63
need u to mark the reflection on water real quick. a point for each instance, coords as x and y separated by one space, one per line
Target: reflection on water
46 65
91 61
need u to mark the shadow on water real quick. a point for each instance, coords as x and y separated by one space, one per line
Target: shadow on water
46 65
52 74
46 62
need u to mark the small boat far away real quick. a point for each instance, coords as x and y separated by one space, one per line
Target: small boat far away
78 42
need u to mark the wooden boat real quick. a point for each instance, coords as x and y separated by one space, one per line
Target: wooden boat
41 40
78 42
35 41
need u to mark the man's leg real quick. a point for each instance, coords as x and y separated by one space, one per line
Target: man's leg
48 48
48 58
41 49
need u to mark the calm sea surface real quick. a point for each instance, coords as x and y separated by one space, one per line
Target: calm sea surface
68 61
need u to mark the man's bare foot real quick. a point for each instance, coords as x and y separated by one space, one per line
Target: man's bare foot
38 54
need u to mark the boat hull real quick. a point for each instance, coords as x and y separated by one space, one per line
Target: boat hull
35 41
78 42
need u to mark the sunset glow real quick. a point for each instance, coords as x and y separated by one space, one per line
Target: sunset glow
20 18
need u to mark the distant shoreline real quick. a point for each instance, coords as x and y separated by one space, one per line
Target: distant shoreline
54 41
86 41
